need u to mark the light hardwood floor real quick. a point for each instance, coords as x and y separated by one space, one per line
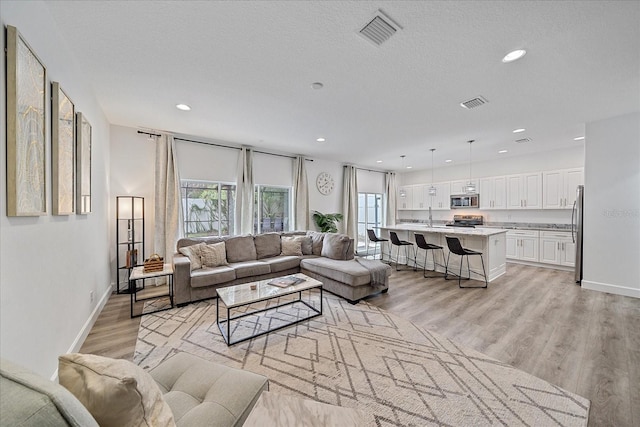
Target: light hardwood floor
535 319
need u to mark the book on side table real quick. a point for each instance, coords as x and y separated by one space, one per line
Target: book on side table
285 282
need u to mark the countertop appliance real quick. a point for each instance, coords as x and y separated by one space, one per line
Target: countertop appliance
470 221
576 230
462 201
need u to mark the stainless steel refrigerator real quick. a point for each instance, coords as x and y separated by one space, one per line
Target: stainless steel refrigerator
576 230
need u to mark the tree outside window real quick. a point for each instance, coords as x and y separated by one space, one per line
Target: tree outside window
208 208
273 209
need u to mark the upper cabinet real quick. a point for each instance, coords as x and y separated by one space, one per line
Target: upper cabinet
524 191
493 192
460 187
419 200
440 201
405 197
559 188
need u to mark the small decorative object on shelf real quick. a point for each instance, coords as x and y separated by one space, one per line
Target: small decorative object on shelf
129 239
154 263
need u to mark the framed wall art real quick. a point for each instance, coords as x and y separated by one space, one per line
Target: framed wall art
26 110
63 152
83 161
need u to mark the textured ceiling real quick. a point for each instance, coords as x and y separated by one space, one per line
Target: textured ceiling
246 69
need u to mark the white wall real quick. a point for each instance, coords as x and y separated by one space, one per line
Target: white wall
50 264
612 206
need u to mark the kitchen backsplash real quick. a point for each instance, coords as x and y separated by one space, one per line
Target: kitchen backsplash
554 217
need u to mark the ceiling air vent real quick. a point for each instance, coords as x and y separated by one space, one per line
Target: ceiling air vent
474 102
380 28
523 140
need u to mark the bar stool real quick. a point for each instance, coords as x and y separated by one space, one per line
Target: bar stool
375 239
454 246
395 241
421 243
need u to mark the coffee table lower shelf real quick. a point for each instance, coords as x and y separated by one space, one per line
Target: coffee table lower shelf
225 324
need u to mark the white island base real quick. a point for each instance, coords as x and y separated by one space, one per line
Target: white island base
492 242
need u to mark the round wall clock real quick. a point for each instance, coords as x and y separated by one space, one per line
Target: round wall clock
325 183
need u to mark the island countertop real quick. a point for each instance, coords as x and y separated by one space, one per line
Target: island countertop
442 229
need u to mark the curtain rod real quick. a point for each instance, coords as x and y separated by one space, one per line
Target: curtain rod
370 170
224 146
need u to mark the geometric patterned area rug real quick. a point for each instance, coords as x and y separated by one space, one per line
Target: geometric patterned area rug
363 357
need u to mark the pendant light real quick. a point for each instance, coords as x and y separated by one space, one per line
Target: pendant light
471 187
403 192
432 188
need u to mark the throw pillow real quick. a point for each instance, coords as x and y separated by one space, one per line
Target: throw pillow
291 246
316 242
307 244
335 246
115 391
194 252
241 248
267 245
214 255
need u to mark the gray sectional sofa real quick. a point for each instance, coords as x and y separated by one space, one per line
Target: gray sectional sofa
327 257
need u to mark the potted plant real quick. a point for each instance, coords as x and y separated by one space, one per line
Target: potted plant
327 223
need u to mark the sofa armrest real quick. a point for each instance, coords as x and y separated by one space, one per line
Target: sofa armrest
181 279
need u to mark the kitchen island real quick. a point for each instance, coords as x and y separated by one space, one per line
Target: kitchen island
492 242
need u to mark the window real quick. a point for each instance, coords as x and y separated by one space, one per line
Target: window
208 208
273 208
370 215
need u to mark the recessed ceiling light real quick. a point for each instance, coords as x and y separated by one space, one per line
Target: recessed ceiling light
448 161
409 167
502 151
183 107
317 85
320 140
578 138
519 130
513 56
378 161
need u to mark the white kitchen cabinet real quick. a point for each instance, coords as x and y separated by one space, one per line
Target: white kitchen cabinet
440 201
557 247
522 245
559 188
493 192
405 197
418 200
524 191
460 187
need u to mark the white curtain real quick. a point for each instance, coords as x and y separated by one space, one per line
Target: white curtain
300 194
350 202
168 214
244 193
391 191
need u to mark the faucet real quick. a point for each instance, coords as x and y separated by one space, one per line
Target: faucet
430 218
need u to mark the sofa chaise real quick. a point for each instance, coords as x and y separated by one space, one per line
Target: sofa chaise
205 264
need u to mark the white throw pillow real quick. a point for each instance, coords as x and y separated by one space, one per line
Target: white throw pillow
194 252
214 255
115 391
291 246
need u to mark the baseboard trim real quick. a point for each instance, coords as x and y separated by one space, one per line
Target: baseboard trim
86 328
611 289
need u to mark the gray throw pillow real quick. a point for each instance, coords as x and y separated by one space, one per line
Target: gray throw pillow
267 245
316 241
241 248
194 252
335 246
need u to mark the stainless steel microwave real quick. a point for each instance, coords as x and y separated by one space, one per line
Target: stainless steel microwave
461 201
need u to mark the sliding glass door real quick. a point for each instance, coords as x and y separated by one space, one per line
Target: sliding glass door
370 215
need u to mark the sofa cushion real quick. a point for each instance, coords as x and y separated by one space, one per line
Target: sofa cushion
241 248
213 255
349 272
115 391
26 398
291 246
316 242
250 268
282 263
209 276
267 245
335 246
203 393
194 253
207 240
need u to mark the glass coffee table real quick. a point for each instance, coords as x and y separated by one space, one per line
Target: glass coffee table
252 299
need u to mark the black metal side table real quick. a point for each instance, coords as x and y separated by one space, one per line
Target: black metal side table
138 273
